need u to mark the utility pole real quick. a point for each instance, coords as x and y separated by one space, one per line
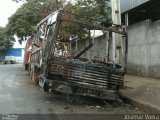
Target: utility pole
57 4
117 48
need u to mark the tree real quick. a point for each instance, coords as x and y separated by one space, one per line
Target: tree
90 11
97 11
23 22
6 42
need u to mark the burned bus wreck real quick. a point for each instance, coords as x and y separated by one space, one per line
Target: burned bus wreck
68 57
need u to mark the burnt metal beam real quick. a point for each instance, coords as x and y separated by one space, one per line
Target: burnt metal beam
83 51
111 29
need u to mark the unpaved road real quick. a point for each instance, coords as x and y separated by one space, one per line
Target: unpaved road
19 96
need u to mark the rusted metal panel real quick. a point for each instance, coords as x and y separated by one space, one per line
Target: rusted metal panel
88 73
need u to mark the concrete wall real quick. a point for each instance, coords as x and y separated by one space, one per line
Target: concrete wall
144 49
98 49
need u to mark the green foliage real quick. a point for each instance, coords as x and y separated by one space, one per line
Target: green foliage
95 11
6 42
23 22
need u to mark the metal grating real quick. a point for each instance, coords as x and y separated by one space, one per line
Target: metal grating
87 73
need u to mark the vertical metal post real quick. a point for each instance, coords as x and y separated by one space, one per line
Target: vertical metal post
113 3
126 19
76 47
107 44
57 4
117 48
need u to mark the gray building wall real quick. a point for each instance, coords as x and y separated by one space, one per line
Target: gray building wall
129 4
98 49
144 49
